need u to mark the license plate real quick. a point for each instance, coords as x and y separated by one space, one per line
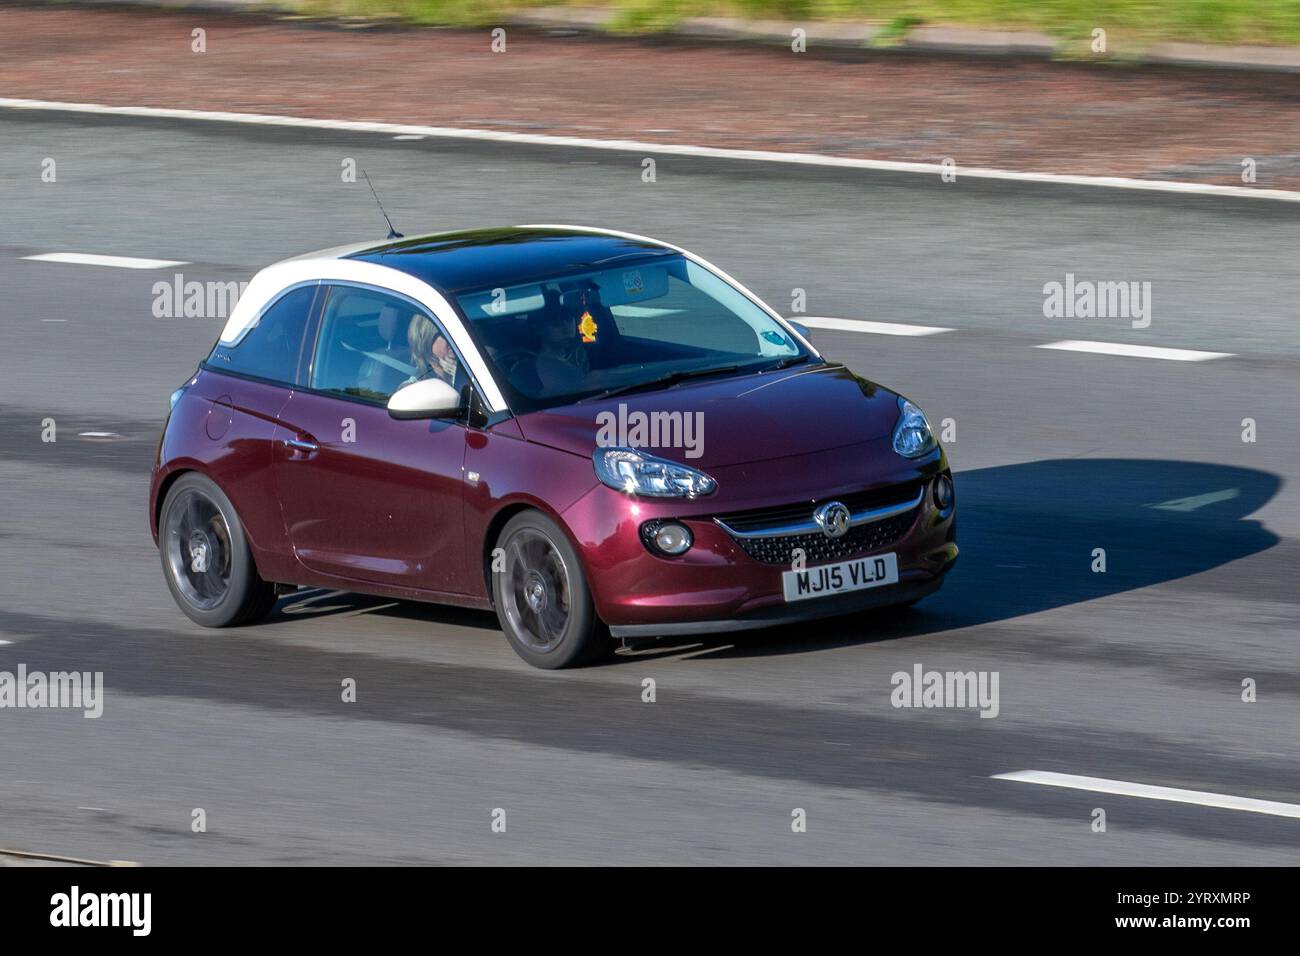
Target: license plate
838 578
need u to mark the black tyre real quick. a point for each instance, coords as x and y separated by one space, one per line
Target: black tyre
205 556
541 596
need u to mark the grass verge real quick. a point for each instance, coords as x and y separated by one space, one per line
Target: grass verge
1198 21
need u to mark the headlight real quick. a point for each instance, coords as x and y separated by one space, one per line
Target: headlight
912 435
637 473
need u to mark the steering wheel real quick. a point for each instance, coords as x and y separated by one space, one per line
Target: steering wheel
507 359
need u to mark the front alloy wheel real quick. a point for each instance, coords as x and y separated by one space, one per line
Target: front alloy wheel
541 595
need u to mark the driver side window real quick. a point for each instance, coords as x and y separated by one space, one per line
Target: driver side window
372 343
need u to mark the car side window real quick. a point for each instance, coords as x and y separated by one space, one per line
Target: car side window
372 343
272 348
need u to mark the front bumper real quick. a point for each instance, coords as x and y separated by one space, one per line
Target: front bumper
724 584
903 592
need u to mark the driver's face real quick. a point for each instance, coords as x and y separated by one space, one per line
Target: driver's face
556 329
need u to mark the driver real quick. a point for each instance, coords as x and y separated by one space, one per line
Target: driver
431 353
562 363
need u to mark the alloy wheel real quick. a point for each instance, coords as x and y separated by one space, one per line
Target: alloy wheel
198 550
537 589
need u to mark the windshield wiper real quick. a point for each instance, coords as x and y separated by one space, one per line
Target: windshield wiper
787 362
671 378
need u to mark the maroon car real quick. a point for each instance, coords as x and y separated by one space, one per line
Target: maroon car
590 432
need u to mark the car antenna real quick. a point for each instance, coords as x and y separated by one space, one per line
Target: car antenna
392 233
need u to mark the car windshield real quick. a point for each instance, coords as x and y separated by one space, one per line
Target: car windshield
649 322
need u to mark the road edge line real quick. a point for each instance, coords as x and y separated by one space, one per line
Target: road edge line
664 149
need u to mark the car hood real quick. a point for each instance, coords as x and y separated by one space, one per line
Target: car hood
729 421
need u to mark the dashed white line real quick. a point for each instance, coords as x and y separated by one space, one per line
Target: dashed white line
934 170
116 262
1123 788
1134 351
861 325
814 322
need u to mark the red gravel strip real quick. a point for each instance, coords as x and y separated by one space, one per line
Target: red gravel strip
1033 116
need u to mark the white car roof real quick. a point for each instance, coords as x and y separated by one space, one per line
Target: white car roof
333 265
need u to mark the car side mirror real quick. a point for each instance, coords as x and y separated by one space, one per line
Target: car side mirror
800 328
427 398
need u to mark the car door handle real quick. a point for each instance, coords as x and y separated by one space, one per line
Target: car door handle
299 445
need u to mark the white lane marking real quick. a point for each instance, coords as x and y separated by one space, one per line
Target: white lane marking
1134 351
101 436
5 643
861 325
663 149
1123 788
57 858
1197 501
117 262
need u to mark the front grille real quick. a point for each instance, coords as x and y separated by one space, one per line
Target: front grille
759 519
817 548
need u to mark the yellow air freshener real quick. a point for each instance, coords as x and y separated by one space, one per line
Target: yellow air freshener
587 326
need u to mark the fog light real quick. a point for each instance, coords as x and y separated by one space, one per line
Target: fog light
667 537
944 493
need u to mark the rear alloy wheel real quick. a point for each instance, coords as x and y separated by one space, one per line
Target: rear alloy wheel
542 598
205 556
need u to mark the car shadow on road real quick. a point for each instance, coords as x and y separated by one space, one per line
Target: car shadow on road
1029 533
308 603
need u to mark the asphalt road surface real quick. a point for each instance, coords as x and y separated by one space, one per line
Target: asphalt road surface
1132 675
